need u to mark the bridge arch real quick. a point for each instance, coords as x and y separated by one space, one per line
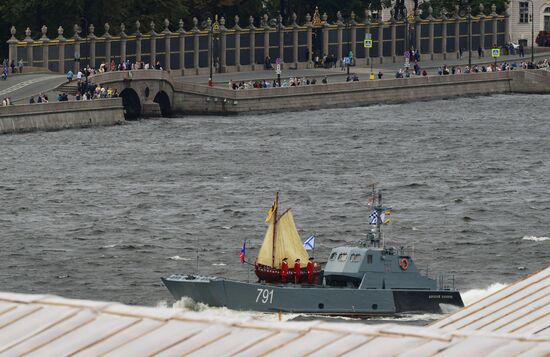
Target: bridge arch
163 101
131 103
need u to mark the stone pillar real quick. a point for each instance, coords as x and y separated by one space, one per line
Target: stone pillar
195 30
92 38
153 56
481 26
393 39
444 33
138 42
123 40
223 45
495 26
430 20
181 32
507 32
309 26
325 34
61 56
252 43
281 29
295 48
107 36
12 43
339 35
77 40
267 29
237 29
418 29
45 47
29 42
381 40
167 52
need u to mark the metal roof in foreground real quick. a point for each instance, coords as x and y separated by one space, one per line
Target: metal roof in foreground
519 308
512 322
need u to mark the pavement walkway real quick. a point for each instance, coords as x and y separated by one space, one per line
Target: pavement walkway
361 69
21 87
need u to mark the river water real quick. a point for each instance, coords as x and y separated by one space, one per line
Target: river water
103 213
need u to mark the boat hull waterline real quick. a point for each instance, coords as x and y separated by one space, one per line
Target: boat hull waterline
310 299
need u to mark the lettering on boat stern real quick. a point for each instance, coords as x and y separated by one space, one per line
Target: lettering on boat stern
440 297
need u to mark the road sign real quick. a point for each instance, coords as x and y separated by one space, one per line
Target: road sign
495 52
278 60
368 36
367 43
347 60
278 68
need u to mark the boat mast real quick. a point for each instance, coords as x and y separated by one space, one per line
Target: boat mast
274 228
378 209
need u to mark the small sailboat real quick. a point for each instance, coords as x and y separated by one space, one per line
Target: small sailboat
281 240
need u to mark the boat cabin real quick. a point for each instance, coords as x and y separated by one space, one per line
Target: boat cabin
373 268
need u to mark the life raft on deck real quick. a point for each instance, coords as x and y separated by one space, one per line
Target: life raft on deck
273 275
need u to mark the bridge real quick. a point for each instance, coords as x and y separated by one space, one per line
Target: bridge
144 93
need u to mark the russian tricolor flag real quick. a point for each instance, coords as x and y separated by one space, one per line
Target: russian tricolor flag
243 252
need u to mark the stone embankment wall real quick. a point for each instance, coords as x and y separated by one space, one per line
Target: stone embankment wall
60 115
191 98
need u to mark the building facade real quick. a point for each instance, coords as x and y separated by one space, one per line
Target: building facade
527 16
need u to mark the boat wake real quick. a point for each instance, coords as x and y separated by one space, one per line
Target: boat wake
471 296
188 304
535 239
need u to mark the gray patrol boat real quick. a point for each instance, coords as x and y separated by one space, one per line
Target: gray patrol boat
363 280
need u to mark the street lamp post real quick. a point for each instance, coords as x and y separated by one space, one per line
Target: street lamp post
348 26
533 32
214 30
407 39
469 13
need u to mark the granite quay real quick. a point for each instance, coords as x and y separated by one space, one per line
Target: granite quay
261 41
60 115
152 93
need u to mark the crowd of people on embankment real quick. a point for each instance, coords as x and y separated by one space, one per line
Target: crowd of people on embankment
404 72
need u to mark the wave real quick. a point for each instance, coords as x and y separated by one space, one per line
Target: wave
471 296
535 239
177 257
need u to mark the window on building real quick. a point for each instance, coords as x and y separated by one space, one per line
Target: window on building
369 259
333 256
523 12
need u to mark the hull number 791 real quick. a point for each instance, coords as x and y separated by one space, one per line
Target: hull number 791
265 296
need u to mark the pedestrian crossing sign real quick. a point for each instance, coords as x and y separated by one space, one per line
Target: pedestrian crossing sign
495 52
367 43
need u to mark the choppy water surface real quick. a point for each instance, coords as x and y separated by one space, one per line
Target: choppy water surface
103 213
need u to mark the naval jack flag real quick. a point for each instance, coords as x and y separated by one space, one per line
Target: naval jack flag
309 244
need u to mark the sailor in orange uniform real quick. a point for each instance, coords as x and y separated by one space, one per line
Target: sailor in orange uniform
310 270
297 271
284 270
